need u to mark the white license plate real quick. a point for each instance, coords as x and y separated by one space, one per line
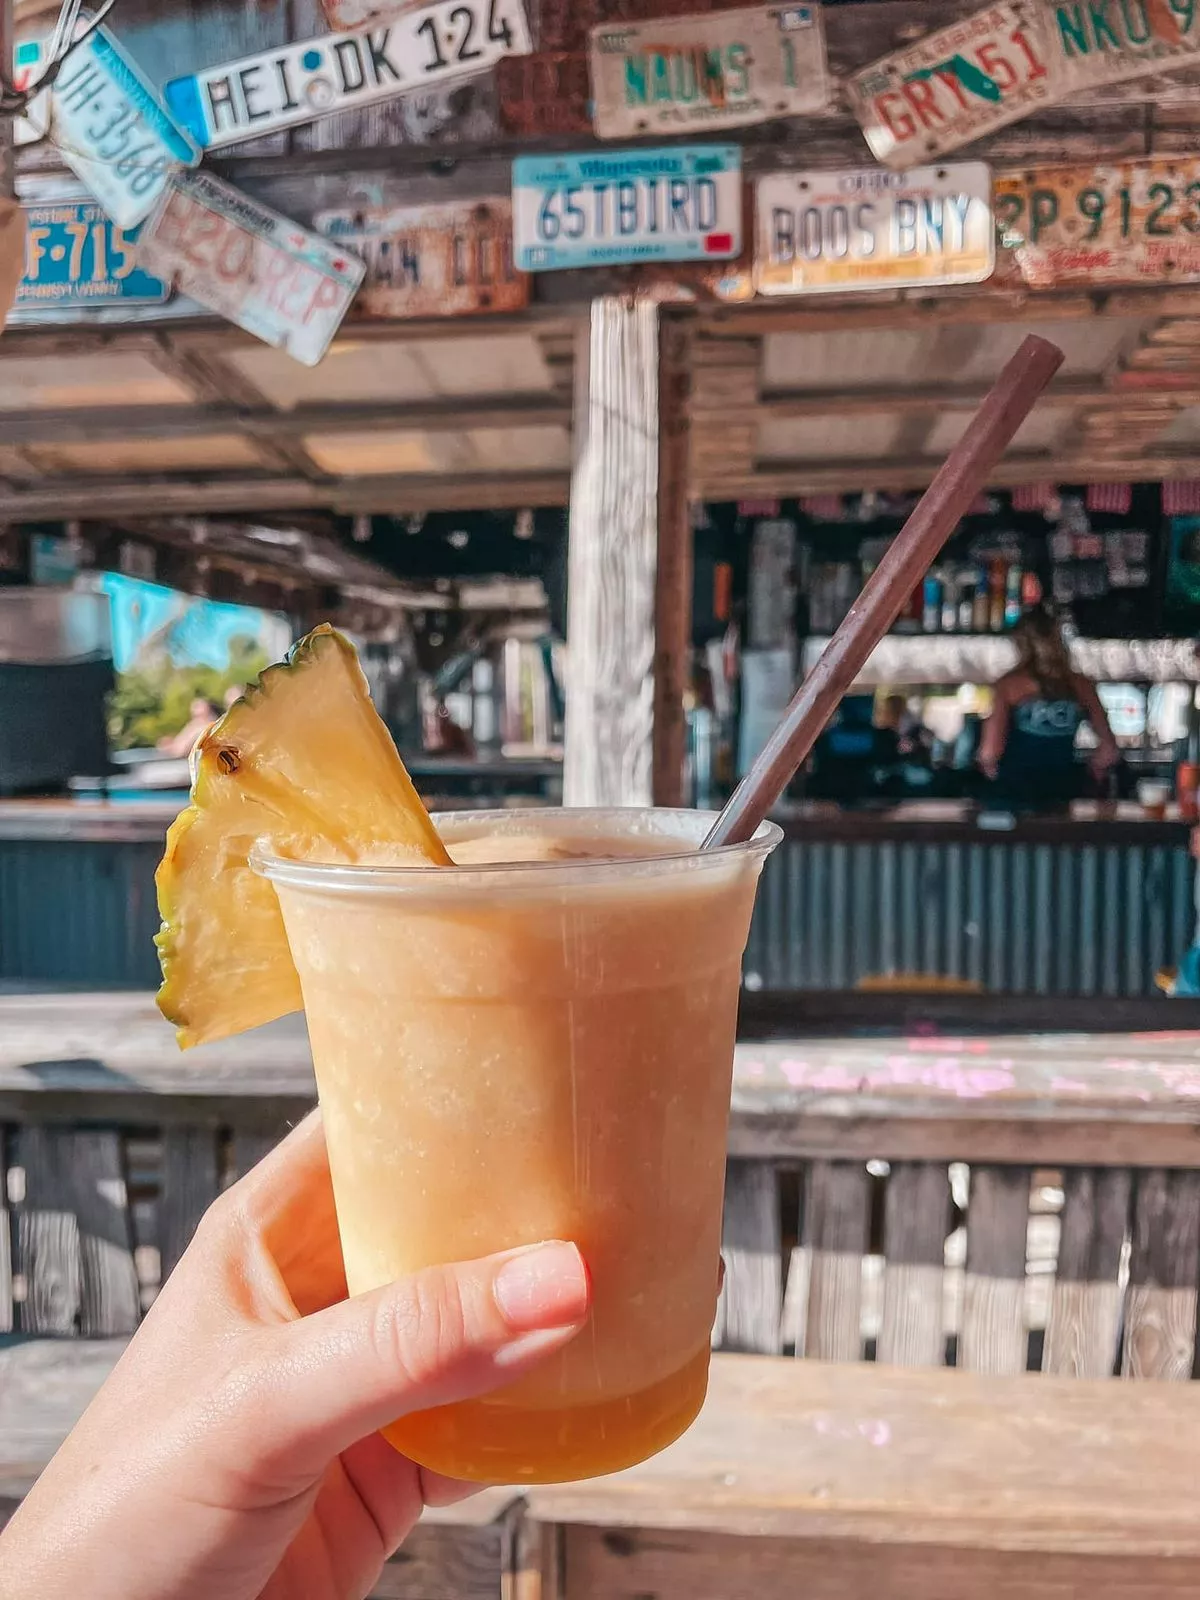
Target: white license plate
956 84
868 228
285 285
725 69
112 131
342 71
679 203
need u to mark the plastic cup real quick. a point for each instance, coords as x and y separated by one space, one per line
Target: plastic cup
518 1052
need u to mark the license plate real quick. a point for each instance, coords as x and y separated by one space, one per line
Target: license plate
75 256
954 85
342 71
821 232
722 70
28 61
1108 41
285 285
1123 222
680 203
113 133
431 261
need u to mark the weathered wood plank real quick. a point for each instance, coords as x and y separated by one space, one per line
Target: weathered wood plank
752 1297
75 1245
1083 1335
926 1459
993 1338
673 565
611 551
6 1284
916 1222
834 1233
1160 1307
670 1565
190 1184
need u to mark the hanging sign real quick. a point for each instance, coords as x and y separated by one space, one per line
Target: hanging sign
12 253
431 261
112 132
679 203
76 256
343 71
723 69
825 232
1108 41
285 285
1115 222
955 85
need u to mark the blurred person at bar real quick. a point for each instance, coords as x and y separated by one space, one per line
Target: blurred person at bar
201 715
1027 749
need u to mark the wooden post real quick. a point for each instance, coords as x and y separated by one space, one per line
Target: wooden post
624 721
673 575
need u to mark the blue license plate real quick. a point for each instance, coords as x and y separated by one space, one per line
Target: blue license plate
609 207
76 256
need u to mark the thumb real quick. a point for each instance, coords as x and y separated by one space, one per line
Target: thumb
445 1334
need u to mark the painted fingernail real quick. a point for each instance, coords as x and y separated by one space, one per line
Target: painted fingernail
543 1287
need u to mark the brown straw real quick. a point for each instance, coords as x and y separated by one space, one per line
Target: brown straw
947 499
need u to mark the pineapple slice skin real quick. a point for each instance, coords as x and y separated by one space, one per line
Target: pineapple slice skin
226 964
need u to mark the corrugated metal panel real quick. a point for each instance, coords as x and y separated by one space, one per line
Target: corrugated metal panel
1014 918
78 914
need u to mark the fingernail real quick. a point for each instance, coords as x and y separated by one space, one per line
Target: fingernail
543 1287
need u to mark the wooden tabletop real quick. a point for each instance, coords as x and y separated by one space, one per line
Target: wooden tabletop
812 1451
1115 1099
809 1450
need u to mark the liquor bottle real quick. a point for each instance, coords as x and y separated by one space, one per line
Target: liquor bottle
950 603
996 589
1012 597
966 600
932 615
982 609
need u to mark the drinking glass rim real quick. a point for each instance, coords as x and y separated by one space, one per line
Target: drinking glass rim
334 875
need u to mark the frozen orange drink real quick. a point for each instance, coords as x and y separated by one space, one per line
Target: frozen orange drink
522 1025
537 1043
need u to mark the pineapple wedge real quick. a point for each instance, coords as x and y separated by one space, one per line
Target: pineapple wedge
304 763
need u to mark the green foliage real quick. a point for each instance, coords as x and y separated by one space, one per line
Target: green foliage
154 700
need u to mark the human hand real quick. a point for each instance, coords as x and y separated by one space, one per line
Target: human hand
233 1454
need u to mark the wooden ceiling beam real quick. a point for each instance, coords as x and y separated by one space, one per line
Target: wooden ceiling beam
80 426
213 380
780 479
248 495
819 405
